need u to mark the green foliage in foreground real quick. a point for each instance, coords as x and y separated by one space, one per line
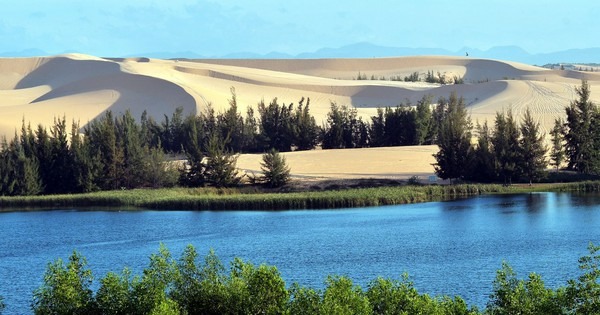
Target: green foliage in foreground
190 286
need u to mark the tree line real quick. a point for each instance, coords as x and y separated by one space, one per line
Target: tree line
118 152
190 285
509 151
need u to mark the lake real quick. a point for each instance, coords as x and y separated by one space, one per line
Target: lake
451 247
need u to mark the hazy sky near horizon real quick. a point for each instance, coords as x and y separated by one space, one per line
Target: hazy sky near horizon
212 28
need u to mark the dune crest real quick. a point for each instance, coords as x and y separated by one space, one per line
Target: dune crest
41 88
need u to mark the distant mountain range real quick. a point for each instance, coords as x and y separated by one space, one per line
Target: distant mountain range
368 50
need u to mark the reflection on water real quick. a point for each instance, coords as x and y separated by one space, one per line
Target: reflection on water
451 247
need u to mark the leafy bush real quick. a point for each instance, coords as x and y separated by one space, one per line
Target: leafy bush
186 286
66 288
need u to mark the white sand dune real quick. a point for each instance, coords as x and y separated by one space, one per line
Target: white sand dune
388 163
81 87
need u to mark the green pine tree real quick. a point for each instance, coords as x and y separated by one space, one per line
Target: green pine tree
43 153
581 137
231 125
276 173
192 172
343 128
86 167
276 126
221 168
505 141
101 135
333 132
62 177
250 132
557 151
377 129
484 167
454 141
306 131
532 149
423 120
129 138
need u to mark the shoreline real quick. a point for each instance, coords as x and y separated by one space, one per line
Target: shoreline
252 198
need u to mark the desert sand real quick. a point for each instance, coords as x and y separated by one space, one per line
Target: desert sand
400 163
81 87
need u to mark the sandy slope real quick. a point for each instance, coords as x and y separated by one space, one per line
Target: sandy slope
389 163
82 87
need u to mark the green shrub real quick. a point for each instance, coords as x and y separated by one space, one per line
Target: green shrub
187 287
276 173
66 288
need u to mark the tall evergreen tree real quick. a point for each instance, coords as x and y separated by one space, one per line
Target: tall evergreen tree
192 172
103 146
409 134
151 131
506 146
557 151
581 137
423 121
86 166
363 138
129 138
400 126
483 168
221 168
306 131
22 178
343 128
43 152
173 134
250 131
333 133
4 176
62 179
377 129
393 126
276 126
231 125
27 140
454 141
532 149
438 114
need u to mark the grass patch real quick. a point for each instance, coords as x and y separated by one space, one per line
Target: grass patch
248 198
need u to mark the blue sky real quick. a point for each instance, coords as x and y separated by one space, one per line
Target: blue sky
211 28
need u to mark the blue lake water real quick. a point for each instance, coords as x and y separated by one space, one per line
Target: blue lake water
451 248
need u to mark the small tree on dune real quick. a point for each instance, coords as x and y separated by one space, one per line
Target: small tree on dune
276 173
